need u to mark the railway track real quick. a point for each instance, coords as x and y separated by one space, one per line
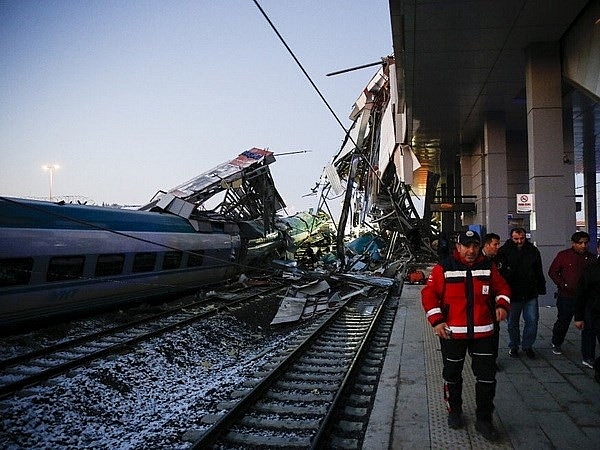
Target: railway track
32 367
319 394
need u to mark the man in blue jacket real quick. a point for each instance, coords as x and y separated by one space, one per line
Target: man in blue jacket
520 263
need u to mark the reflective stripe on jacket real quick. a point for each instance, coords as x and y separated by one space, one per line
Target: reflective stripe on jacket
465 297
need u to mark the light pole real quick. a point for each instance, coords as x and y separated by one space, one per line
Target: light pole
50 168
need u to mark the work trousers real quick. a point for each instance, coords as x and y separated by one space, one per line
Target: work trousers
483 365
565 311
588 337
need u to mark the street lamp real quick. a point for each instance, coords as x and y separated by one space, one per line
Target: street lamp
50 168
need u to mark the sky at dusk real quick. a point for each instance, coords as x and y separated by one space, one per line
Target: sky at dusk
132 97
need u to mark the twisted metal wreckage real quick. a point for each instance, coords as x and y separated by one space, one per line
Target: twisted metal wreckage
378 224
378 232
378 169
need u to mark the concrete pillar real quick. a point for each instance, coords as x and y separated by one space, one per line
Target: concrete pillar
589 172
550 179
495 174
477 186
466 183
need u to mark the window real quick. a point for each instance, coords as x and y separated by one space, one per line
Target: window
63 268
15 271
109 265
195 258
172 260
143 262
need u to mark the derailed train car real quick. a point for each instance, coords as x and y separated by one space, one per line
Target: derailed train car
59 259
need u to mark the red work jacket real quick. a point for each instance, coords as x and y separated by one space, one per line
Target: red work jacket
465 296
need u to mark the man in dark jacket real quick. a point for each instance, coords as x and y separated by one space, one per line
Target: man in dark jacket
587 305
520 263
565 270
489 250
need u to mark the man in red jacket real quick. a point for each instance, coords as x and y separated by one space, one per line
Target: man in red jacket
565 270
464 295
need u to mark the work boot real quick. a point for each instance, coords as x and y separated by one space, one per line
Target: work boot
487 429
455 420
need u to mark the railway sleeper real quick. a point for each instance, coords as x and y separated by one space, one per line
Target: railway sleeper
372 361
226 405
359 400
280 423
338 341
344 443
251 382
354 412
377 352
239 393
364 378
321 369
350 427
297 408
268 441
260 373
311 376
321 360
371 369
306 386
22 371
380 340
44 363
310 396
351 325
364 389
271 364
209 419
346 331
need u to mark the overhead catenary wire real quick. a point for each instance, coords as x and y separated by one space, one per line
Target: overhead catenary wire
300 66
341 224
346 131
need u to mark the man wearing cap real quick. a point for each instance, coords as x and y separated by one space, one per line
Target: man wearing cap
464 295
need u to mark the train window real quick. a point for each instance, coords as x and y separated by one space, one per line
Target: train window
109 265
172 260
15 271
195 258
144 262
65 268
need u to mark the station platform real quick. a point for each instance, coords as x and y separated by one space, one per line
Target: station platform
550 402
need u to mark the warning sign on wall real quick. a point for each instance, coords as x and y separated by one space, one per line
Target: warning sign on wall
524 203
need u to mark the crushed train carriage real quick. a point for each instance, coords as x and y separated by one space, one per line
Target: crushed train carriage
59 259
62 258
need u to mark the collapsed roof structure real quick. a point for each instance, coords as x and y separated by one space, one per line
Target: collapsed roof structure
243 190
374 170
247 185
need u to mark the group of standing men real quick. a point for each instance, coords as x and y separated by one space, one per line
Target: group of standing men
469 293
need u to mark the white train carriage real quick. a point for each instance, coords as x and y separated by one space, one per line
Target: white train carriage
58 260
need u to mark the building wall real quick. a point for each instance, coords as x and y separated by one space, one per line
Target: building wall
581 51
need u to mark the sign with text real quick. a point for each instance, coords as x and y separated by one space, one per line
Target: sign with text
524 203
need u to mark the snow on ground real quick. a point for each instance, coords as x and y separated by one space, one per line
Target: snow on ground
152 397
